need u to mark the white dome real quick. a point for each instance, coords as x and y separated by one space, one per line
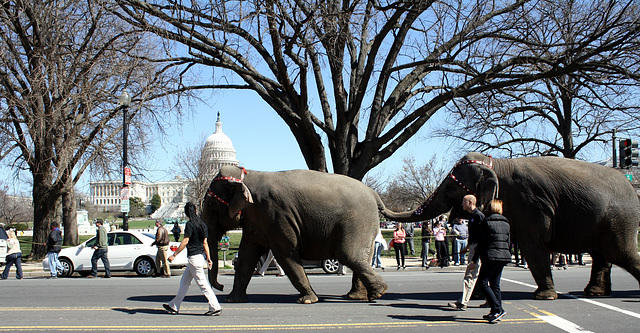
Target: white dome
219 148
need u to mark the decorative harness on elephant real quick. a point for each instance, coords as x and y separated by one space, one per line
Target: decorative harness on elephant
224 202
422 207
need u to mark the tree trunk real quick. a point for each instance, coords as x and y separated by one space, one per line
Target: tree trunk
69 218
44 210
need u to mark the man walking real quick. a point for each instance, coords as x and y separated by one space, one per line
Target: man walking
471 274
100 251
162 243
54 245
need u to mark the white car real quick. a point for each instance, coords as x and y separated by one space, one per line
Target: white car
128 251
3 246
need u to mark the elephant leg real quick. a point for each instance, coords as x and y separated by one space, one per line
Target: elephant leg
292 266
600 281
248 256
538 261
366 283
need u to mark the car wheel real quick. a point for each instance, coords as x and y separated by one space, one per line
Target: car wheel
68 267
330 266
144 267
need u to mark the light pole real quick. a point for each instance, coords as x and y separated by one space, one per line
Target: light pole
125 100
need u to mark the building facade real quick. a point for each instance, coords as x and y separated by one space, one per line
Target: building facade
218 151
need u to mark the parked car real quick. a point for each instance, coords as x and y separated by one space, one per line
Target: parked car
3 246
128 251
329 266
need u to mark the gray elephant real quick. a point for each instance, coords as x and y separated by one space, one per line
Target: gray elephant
298 214
552 204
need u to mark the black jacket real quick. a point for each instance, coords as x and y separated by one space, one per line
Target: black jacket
493 240
54 241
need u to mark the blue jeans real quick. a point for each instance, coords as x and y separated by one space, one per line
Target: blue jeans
377 252
459 258
14 258
100 254
54 264
489 277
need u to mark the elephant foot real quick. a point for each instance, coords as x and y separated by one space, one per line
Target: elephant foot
307 299
237 298
378 292
547 294
595 290
356 296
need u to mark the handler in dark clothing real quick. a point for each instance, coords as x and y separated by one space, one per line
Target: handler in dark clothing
493 251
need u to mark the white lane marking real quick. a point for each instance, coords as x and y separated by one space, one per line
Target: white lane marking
586 300
563 324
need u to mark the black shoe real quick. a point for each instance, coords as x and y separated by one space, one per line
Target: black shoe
213 312
488 315
170 309
106 277
496 317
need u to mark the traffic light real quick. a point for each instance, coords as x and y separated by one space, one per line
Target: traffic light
628 153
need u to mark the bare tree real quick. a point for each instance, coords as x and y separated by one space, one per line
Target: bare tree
365 75
14 209
62 66
199 171
561 115
409 187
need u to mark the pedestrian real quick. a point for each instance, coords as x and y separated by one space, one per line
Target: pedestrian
439 233
195 241
461 232
100 251
379 244
54 245
14 256
409 228
426 239
471 273
176 231
162 243
493 248
399 236
267 262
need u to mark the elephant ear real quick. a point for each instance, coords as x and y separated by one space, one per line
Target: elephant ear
240 199
487 187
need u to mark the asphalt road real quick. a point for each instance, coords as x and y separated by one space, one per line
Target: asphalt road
416 301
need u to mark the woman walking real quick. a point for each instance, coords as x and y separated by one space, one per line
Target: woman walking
493 251
195 241
14 256
399 236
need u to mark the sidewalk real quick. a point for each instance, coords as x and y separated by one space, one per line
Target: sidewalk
34 269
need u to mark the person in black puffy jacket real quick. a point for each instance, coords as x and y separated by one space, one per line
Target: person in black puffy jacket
493 251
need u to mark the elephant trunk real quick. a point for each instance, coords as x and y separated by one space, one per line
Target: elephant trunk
435 205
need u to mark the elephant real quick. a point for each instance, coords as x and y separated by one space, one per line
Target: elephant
298 214
552 204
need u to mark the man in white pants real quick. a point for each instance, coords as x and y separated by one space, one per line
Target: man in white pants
195 241
471 274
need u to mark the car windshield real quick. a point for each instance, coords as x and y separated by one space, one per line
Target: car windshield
152 236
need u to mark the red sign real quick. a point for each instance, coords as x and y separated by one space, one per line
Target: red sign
127 176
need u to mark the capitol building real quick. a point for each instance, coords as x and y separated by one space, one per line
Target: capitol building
218 151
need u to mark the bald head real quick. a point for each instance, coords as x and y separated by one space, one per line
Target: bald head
469 203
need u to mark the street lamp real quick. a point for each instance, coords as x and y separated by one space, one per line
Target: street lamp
125 100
